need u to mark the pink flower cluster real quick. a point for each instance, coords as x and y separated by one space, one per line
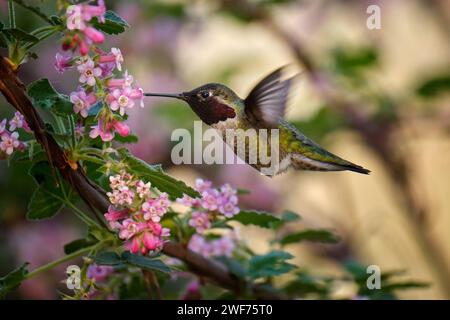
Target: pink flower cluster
223 201
136 212
9 139
81 35
97 84
223 246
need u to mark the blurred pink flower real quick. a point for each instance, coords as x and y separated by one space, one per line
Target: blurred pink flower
200 221
9 142
94 35
99 273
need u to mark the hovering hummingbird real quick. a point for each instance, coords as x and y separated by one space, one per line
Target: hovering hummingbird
221 108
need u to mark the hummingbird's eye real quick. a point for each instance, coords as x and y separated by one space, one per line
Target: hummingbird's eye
205 94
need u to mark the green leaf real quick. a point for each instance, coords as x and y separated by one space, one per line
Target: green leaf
269 265
46 201
404 285
12 280
315 235
78 244
114 24
43 205
109 258
305 284
261 219
154 174
351 60
35 9
20 35
434 86
234 266
145 262
131 138
46 97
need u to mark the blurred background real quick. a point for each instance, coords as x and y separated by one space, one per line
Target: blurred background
379 98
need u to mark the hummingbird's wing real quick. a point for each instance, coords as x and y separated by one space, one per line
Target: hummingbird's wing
266 103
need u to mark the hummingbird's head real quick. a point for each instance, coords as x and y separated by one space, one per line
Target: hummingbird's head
212 102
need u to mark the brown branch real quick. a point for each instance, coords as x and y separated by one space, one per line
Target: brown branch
15 93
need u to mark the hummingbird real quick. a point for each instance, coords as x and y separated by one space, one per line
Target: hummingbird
221 108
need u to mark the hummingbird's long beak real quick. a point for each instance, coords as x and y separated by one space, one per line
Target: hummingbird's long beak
180 96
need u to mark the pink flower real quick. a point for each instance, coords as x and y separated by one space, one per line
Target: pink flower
223 246
18 121
200 221
119 180
82 102
121 196
154 209
88 72
210 199
62 63
115 56
99 273
229 209
147 238
94 35
79 130
113 216
227 191
9 142
202 185
123 98
143 189
102 130
125 82
74 18
3 127
198 244
83 47
121 128
189 201
90 11
130 228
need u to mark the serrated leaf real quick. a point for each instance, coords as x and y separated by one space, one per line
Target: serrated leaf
269 265
12 280
145 262
43 205
46 201
113 24
109 258
261 219
315 235
78 244
154 174
46 97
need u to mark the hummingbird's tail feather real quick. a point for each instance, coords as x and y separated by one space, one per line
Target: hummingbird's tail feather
301 162
356 168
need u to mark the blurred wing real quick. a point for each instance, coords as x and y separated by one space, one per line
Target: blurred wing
266 103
